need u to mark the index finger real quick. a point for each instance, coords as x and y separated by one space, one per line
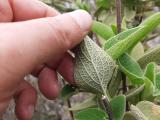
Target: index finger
26 9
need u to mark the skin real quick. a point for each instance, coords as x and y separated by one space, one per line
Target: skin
34 40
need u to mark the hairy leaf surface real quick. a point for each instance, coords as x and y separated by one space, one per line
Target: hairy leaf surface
93 67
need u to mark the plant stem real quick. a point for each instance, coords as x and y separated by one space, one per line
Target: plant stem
119 29
118 13
68 103
107 107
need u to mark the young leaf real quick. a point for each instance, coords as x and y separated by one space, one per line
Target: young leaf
135 114
121 47
67 91
148 91
118 105
91 114
131 68
152 55
137 52
134 92
150 110
150 72
113 40
93 68
102 30
90 102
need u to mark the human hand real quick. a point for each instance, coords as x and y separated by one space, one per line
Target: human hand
35 39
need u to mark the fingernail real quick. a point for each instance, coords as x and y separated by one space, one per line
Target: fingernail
84 20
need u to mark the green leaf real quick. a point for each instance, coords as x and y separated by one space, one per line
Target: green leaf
114 84
138 51
67 92
150 110
90 102
93 68
102 30
118 105
133 92
121 47
112 41
148 91
131 68
135 114
91 114
152 55
150 72
157 81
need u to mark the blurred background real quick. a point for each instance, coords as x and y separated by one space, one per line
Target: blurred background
133 13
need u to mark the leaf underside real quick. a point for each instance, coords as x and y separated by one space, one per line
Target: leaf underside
93 67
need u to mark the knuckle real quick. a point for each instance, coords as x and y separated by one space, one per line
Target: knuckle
62 35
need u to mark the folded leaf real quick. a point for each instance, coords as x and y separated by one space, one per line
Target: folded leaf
118 105
121 47
150 72
102 30
148 91
93 68
91 114
152 55
131 68
150 110
121 36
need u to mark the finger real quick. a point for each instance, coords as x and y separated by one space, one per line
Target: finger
48 83
19 10
25 99
40 40
37 41
65 68
6 14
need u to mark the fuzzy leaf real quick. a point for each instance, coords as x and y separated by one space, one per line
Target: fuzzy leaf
102 30
121 47
135 114
152 55
131 68
138 51
93 68
150 110
134 92
112 41
67 91
91 114
150 72
118 105
90 102
157 81
148 91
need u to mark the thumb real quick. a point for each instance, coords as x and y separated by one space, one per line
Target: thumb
34 42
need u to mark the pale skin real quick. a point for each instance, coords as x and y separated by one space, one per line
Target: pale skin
34 39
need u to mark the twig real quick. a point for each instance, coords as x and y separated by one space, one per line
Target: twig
119 28
107 107
118 13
